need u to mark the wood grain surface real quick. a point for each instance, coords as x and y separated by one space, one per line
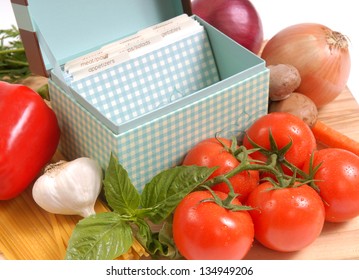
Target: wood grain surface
337 241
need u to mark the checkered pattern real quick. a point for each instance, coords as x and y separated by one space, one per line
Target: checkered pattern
144 84
81 133
161 143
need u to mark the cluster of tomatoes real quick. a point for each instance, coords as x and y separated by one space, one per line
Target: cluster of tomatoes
284 192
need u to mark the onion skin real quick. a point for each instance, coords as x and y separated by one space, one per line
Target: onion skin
238 19
320 55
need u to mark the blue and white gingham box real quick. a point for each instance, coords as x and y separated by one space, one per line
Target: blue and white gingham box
151 81
160 143
159 139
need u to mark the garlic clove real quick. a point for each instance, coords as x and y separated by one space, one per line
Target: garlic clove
69 188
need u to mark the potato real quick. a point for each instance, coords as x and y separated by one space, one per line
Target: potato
284 79
299 105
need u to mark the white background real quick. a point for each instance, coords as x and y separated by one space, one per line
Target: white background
340 16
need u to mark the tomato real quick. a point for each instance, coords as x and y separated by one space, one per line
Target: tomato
29 135
210 152
338 181
286 219
204 230
284 127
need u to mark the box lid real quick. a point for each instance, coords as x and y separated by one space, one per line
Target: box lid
54 31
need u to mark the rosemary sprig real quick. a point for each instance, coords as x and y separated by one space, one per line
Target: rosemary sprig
13 62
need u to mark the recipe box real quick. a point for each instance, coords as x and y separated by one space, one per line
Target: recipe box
55 32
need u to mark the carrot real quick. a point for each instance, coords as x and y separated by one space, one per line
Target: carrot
333 138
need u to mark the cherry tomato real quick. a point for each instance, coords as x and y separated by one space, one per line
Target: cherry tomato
210 152
338 181
204 230
29 135
284 127
286 219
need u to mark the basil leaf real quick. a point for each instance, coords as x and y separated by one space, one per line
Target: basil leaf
158 244
165 237
169 187
104 236
121 194
144 233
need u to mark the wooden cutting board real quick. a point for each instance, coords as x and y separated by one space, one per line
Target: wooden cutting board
337 241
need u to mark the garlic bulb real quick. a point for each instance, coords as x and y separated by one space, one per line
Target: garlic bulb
69 188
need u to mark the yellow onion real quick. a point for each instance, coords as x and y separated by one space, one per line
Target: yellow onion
320 55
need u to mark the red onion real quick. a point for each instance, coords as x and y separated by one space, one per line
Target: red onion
238 19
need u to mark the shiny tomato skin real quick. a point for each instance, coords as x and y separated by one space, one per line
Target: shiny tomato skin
338 181
203 230
288 219
29 135
210 152
284 127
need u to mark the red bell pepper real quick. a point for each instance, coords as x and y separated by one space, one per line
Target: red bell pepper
29 136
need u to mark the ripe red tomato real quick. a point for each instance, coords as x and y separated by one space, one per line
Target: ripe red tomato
286 219
210 152
29 135
285 127
338 181
204 230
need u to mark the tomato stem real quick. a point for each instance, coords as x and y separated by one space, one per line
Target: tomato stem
276 158
246 165
231 194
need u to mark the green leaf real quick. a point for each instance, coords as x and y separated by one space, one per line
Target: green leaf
165 237
104 236
144 233
13 62
158 244
121 194
169 187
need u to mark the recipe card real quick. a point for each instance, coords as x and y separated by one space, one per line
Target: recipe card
146 71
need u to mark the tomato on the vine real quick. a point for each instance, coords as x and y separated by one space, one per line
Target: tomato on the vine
286 219
338 181
202 229
211 152
285 129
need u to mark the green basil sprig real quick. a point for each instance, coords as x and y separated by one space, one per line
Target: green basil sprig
106 236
